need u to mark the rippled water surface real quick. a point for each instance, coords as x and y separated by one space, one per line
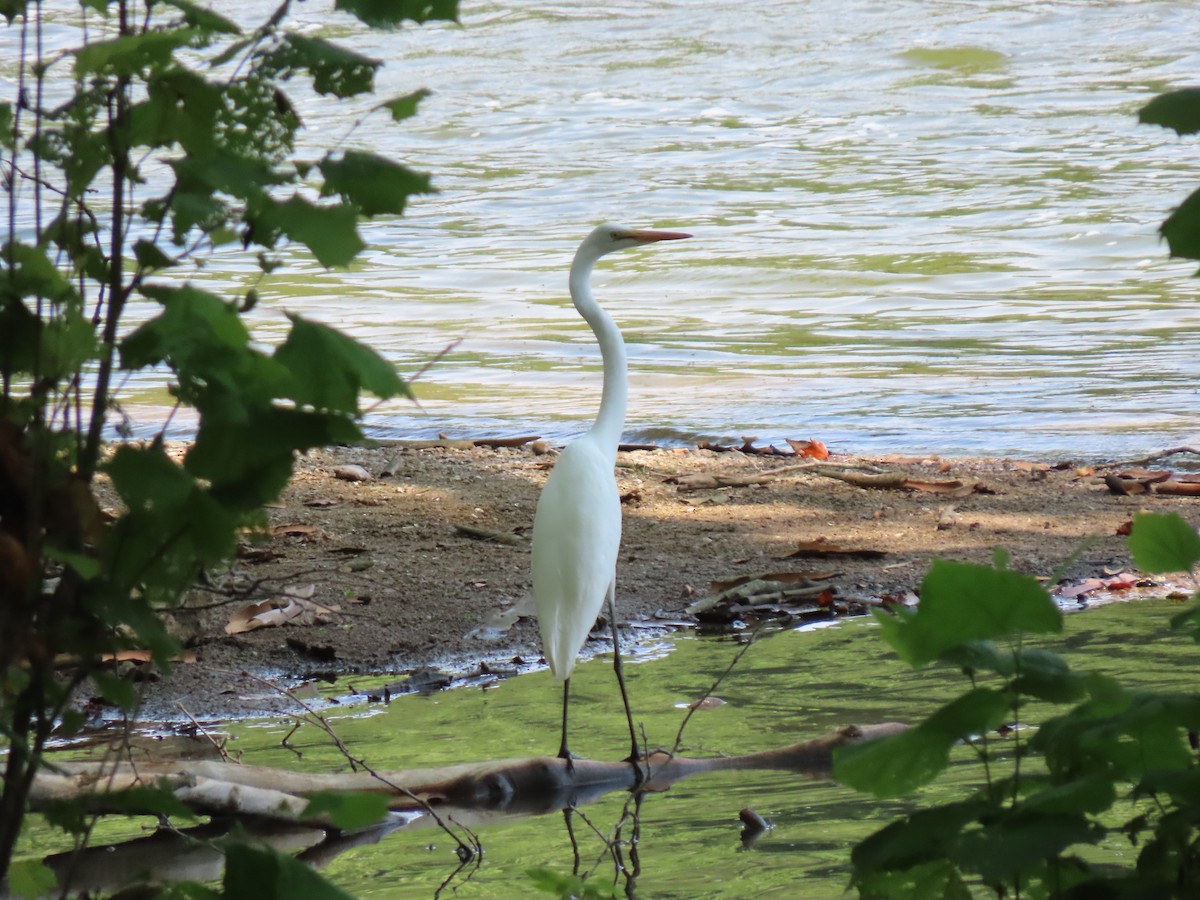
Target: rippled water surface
920 225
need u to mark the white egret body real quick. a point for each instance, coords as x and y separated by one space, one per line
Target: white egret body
577 527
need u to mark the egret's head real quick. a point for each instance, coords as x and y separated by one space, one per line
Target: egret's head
609 237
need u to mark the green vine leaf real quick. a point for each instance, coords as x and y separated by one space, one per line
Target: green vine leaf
130 54
1177 110
330 369
382 13
254 873
1181 229
334 70
348 810
1164 542
405 106
892 766
374 184
329 231
203 19
960 603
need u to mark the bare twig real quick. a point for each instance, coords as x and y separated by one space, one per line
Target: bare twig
218 745
1153 457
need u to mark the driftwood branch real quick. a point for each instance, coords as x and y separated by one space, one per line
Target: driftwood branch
1153 457
270 804
534 784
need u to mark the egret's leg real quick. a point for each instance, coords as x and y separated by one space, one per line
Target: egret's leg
568 820
634 753
563 752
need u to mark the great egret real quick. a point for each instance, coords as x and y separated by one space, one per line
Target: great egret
577 526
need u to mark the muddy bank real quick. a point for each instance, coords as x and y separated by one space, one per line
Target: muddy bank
425 560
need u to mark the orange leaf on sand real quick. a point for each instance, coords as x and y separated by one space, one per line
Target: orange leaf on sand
809 449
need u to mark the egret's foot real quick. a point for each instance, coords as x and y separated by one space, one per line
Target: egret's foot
565 754
640 775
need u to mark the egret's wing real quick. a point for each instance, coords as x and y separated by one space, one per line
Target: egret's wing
576 538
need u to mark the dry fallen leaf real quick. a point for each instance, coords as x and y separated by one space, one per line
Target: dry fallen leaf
719 587
294 606
352 473
938 487
821 547
809 449
294 529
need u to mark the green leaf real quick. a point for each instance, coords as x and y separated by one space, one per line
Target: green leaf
404 106
180 108
68 815
374 184
334 70
1046 676
130 54
976 656
961 602
8 139
193 328
149 257
249 462
187 890
68 341
20 332
86 566
331 369
203 19
1188 620
31 878
1177 110
572 887
254 873
901 763
30 273
938 879
382 13
329 231
918 839
1182 228
1092 793
1017 844
173 526
10 9
348 810
149 800
1163 542
257 121
116 690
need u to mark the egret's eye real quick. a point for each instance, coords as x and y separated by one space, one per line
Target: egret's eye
615 235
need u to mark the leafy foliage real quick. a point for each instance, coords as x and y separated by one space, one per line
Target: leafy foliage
261 873
349 811
572 887
179 138
1020 834
1179 111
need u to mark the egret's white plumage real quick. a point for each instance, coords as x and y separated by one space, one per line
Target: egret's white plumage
577 527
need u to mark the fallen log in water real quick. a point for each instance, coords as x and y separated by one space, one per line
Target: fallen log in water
269 805
526 785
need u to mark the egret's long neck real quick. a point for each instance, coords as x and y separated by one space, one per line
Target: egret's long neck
610 421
